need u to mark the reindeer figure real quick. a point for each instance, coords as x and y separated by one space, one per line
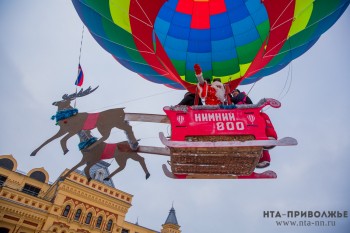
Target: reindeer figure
120 151
71 122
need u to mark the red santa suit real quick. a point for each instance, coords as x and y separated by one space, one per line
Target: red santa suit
213 94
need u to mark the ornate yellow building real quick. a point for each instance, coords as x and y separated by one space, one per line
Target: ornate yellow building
29 203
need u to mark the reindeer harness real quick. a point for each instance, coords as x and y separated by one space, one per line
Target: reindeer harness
84 144
64 114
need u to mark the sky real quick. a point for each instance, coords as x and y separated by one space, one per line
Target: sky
39 53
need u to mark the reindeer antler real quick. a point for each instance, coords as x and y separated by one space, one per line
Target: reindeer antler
81 93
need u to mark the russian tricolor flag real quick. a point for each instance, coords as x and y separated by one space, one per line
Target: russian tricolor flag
80 78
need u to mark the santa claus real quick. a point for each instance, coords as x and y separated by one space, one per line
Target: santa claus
214 93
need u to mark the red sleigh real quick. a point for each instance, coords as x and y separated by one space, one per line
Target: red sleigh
211 142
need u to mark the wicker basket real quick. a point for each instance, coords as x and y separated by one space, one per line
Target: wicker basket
221 161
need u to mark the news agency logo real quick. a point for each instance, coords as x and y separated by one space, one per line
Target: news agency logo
305 214
306 218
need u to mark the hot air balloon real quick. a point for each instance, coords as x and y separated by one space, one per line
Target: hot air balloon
238 41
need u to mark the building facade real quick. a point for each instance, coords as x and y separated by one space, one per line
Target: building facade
29 203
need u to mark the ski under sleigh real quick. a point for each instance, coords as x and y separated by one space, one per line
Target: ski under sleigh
213 142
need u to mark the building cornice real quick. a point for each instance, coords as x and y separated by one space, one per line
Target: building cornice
114 205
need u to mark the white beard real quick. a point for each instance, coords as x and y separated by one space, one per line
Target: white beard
220 90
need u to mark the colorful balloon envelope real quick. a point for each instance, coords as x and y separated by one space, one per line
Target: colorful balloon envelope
239 41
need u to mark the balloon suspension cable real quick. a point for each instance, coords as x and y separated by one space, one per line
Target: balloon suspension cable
251 88
81 46
289 74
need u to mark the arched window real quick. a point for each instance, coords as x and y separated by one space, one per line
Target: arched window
66 211
109 225
77 215
99 222
7 164
39 176
88 218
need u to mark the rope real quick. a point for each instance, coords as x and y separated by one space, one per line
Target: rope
81 43
251 88
133 100
81 46
290 74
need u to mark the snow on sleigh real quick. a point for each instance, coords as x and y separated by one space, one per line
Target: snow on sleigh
209 142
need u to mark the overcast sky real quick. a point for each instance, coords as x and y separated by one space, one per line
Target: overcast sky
39 51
